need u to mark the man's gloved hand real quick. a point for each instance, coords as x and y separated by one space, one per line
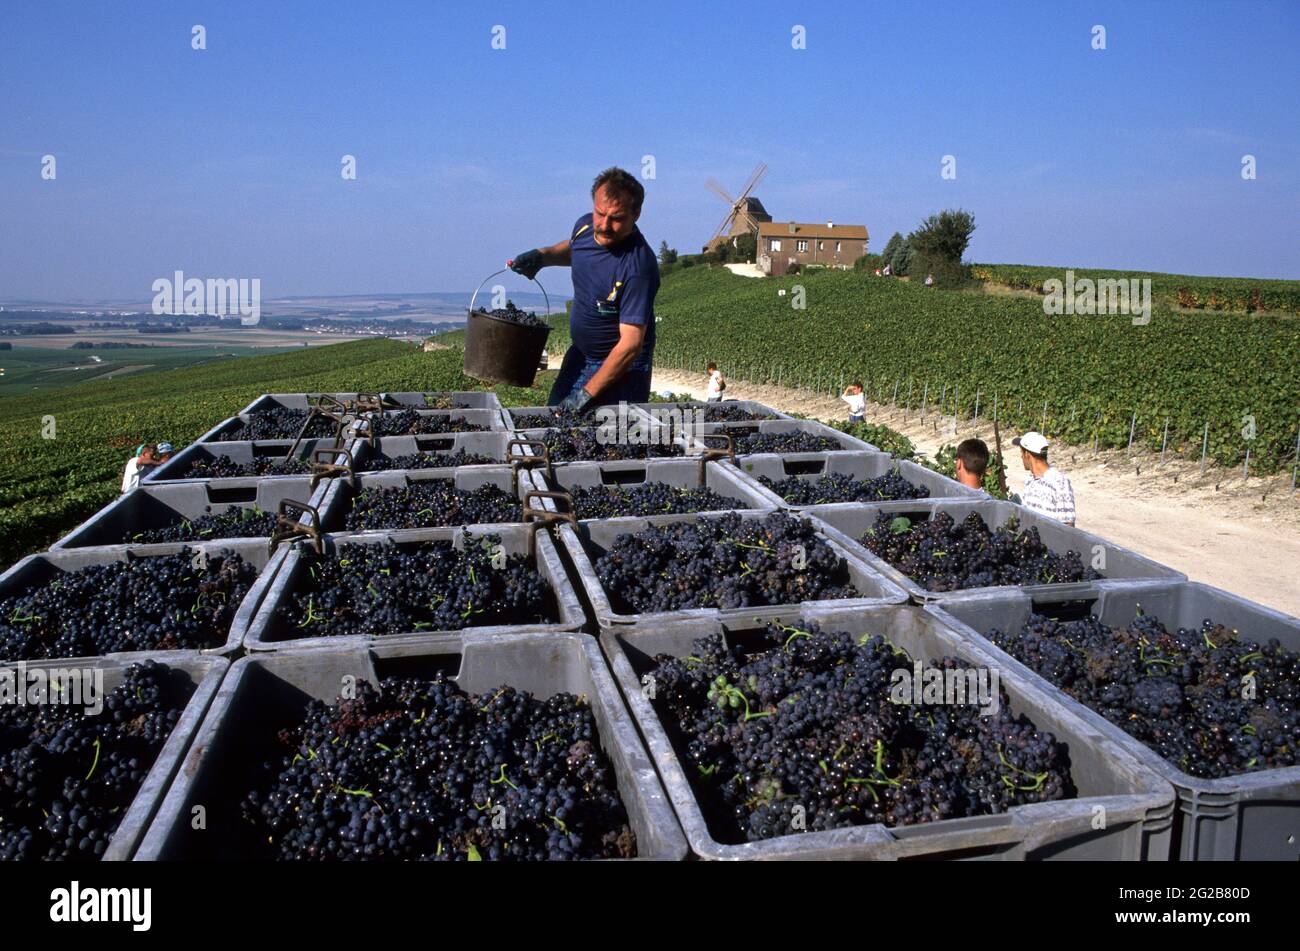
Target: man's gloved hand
527 264
577 400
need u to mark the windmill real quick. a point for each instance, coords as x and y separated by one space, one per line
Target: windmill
743 214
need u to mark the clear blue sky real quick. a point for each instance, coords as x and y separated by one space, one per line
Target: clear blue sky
225 162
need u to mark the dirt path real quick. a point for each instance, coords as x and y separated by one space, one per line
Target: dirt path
1239 535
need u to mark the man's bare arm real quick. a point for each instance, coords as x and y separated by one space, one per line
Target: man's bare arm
557 255
619 359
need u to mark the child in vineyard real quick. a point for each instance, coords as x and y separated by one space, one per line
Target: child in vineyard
716 383
857 402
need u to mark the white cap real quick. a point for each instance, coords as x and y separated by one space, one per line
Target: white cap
1034 442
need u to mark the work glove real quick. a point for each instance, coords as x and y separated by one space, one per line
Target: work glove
527 264
577 400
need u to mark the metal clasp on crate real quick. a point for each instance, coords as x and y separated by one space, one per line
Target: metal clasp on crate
323 466
540 518
519 460
318 410
707 455
370 403
288 525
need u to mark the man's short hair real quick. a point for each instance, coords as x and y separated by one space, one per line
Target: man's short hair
858 384
622 185
711 366
974 456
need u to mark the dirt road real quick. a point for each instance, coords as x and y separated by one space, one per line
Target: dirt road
1242 535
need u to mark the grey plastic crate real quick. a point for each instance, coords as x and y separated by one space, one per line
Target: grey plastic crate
491 419
264 631
848 521
232 430
509 414
811 426
678 473
865 465
461 399
493 445
591 539
269 692
299 401
654 442
1138 803
203 675
176 469
1250 816
45 567
751 406
158 506
339 495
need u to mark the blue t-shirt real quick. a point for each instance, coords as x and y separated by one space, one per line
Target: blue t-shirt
612 286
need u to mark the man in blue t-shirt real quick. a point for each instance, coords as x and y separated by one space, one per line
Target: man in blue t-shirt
615 279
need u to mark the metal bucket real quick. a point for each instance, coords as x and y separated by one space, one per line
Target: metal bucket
501 351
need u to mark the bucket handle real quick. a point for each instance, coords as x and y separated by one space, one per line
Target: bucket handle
474 296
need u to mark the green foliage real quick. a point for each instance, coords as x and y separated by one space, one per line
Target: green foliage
48 486
882 437
943 237
667 255
746 247
902 259
1171 291
794 267
869 262
948 274
1093 372
891 248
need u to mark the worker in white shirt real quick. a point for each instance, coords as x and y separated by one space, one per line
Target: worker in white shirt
857 402
1047 490
716 383
144 456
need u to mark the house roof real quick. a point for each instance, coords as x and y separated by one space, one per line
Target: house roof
782 229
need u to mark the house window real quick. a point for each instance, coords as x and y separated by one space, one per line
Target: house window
775 244
821 245
837 246
801 245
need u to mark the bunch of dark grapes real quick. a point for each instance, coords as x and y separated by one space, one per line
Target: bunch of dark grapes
441 401
425 460
420 770
235 522
410 422
281 423
941 555
803 725
223 467
798 441
722 562
516 316
649 498
431 503
380 589
1211 702
67 777
839 487
161 602
554 417
591 444
729 413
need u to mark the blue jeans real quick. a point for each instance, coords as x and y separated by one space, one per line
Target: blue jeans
577 369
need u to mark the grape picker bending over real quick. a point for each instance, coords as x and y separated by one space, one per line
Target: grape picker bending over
615 280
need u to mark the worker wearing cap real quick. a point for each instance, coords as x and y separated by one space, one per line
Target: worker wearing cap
1047 490
615 280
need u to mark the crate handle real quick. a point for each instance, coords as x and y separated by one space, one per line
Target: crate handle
540 518
708 455
519 461
288 525
324 467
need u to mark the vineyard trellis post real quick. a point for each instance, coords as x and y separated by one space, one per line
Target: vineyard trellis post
1096 434
1132 428
1043 429
909 398
1296 465
1245 471
1164 441
923 399
1205 444
956 403
976 420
